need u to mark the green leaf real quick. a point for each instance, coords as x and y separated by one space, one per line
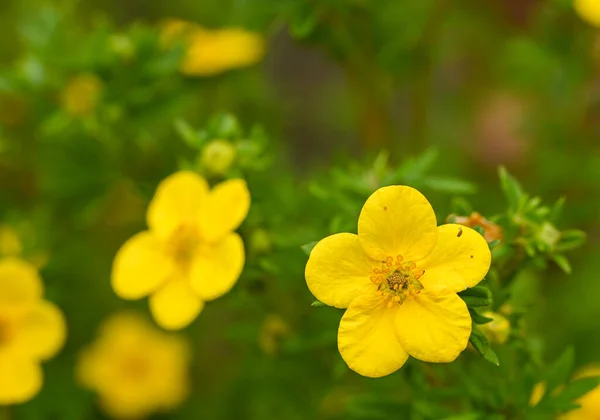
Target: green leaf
478 318
477 296
415 168
482 345
560 370
562 262
511 188
476 302
187 134
576 389
556 210
449 185
570 239
307 248
317 303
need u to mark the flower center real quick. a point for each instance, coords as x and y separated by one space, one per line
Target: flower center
397 280
135 368
183 245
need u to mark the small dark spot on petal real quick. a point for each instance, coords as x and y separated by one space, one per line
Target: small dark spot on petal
385 207
471 256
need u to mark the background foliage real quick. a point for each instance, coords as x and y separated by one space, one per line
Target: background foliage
351 95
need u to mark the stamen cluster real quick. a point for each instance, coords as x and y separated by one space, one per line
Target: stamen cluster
397 279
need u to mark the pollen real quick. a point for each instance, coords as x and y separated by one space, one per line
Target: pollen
183 245
397 281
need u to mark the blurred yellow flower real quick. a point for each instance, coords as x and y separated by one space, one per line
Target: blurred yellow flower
537 393
136 369
497 330
589 10
590 402
209 52
31 330
80 95
190 254
398 278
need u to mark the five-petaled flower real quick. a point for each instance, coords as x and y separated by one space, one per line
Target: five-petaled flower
136 369
398 279
31 330
190 254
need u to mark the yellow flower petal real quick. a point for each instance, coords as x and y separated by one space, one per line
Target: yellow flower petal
397 220
20 286
140 266
217 267
434 328
175 305
338 270
227 207
589 10
21 380
461 258
42 331
367 339
213 52
177 201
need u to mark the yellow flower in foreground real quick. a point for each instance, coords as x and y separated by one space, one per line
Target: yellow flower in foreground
80 96
398 278
589 10
31 330
209 52
190 253
135 369
590 402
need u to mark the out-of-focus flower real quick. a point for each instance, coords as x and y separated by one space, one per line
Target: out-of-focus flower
31 330
190 254
538 392
135 369
81 94
588 10
217 157
209 52
497 330
274 328
12 246
491 231
398 279
590 402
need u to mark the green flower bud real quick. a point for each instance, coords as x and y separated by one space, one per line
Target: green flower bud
217 157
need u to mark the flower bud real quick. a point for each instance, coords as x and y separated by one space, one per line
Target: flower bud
491 231
498 330
80 96
217 157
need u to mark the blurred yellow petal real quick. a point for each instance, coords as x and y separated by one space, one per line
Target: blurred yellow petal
227 207
434 328
338 270
589 10
397 220
140 266
217 267
21 380
175 305
461 258
367 339
10 243
177 201
20 286
214 51
42 331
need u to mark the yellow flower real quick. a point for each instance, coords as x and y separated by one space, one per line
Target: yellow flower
590 402
80 96
31 330
190 253
398 279
497 330
136 369
589 10
210 52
